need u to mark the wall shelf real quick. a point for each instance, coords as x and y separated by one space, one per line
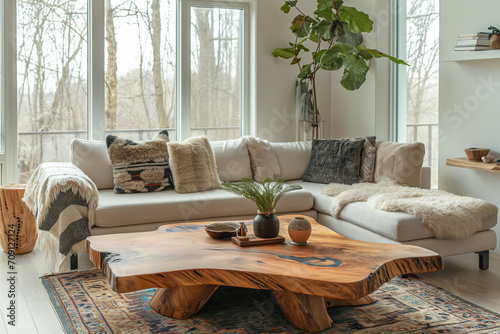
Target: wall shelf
470 55
492 167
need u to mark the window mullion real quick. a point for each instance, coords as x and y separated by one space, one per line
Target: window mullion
183 118
96 72
9 92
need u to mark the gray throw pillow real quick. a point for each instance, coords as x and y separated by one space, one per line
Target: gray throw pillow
334 160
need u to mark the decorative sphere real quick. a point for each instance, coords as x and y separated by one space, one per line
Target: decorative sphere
299 229
299 223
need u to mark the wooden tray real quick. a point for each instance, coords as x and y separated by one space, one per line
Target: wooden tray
254 241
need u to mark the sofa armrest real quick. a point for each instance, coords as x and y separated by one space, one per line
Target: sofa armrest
425 178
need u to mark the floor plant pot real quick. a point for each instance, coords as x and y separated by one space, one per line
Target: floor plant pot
266 225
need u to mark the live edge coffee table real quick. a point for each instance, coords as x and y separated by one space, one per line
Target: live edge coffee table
187 266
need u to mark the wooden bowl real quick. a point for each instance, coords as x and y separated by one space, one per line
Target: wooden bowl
222 230
475 154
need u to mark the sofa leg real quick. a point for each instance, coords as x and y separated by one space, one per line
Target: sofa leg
73 262
484 259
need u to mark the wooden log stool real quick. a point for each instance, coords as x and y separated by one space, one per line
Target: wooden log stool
18 230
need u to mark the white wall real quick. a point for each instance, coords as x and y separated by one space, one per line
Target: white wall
274 111
366 111
469 107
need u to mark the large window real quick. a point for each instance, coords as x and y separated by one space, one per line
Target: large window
216 71
140 82
52 80
418 84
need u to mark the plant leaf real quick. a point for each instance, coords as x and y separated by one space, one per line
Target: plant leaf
317 56
348 37
326 14
351 81
355 64
333 65
357 21
305 71
379 54
323 29
325 5
313 37
301 25
288 4
336 51
286 53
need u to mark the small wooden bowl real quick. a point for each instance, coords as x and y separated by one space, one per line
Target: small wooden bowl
222 230
475 154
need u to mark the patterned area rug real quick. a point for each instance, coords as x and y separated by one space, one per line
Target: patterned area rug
85 304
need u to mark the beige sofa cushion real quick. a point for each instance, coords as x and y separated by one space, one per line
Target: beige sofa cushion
166 206
231 157
91 156
293 158
401 162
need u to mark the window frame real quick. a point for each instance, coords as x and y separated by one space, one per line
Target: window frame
8 150
183 81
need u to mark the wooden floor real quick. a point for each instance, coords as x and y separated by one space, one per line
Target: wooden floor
34 313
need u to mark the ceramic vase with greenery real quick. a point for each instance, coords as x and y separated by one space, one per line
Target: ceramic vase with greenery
266 197
331 37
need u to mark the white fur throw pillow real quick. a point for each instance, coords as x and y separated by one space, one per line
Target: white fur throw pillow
262 159
193 165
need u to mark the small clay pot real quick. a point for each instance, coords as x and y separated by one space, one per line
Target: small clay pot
299 230
495 42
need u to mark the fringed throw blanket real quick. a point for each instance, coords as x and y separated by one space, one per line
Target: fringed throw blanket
63 200
448 216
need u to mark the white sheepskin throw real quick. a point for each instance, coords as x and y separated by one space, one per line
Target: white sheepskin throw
448 216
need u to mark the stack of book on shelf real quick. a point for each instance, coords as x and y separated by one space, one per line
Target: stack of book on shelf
473 42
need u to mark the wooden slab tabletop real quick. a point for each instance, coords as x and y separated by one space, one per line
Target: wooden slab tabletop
184 255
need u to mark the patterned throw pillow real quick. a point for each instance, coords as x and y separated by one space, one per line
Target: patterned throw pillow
334 160
140 167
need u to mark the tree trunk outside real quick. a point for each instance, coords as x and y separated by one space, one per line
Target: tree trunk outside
111 81
157 68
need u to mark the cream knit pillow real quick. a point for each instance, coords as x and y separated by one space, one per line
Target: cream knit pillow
401 162
193 165
262 159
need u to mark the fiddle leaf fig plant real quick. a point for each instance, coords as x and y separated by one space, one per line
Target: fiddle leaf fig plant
335 33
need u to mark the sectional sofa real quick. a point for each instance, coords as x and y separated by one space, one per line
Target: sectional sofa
119 213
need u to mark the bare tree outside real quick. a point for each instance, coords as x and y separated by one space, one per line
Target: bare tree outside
140 73
215 70
422 53
52 79
143 42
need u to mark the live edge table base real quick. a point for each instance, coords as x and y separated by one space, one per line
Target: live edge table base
305 312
